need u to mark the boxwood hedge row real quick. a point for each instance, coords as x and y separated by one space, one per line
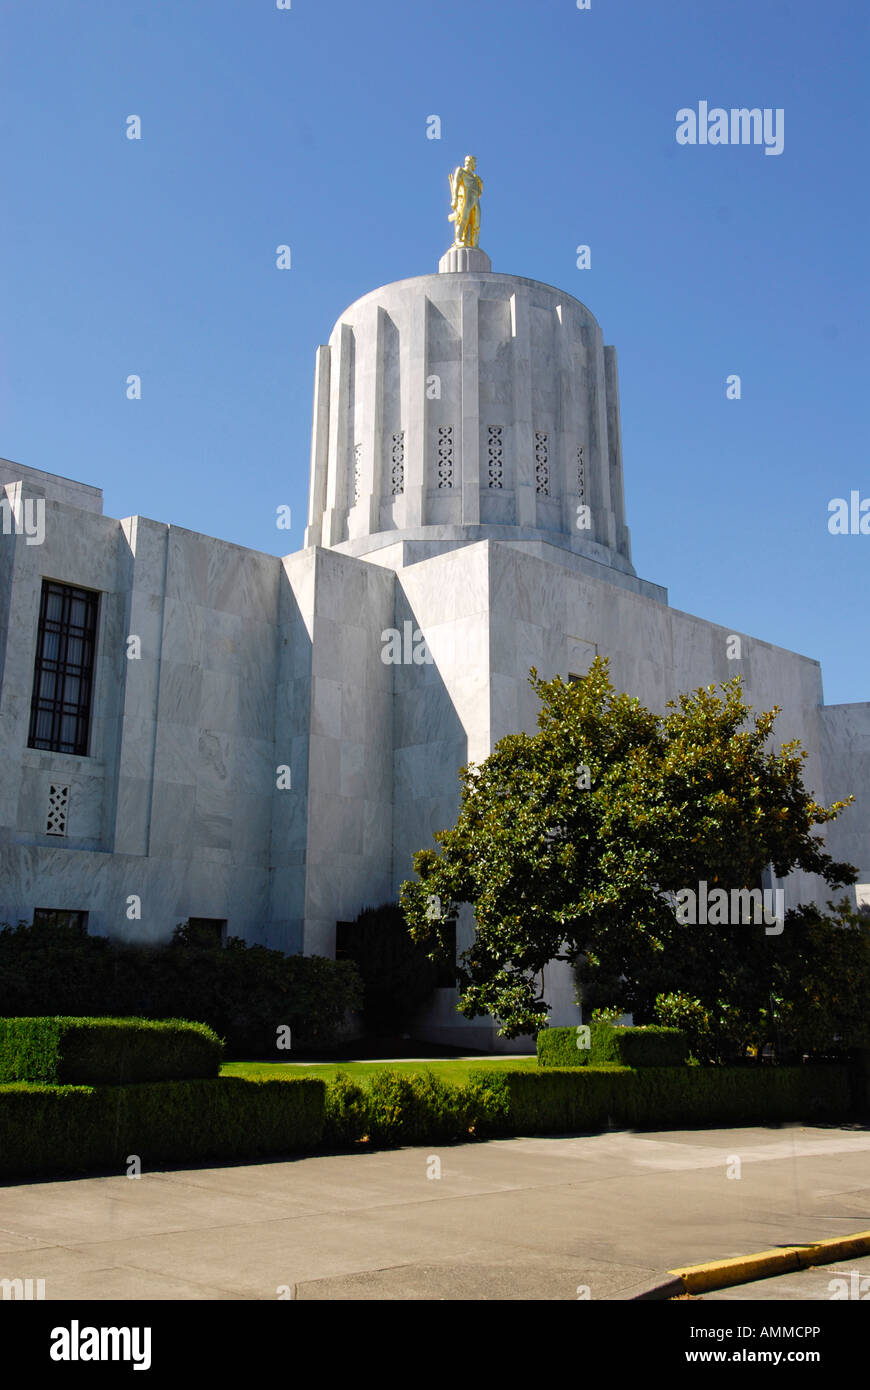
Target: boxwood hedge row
413 1109
55 1129
78 1128
592 1099
106 1051
624 1047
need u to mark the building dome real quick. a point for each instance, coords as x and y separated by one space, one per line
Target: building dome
466 405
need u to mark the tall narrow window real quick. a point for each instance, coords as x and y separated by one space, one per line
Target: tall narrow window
63 677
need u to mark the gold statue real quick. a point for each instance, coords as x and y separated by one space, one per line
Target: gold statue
465 189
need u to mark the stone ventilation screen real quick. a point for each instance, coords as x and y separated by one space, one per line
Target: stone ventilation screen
397 462
495 456
58 806
357 467
581 474
542 463
445 455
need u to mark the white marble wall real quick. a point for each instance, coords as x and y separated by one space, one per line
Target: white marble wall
250 663
331 837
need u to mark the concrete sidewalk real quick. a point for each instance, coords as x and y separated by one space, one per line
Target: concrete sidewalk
509 1219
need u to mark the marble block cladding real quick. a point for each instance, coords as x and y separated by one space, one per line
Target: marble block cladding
263 761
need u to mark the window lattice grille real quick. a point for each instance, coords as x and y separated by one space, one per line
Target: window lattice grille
495 455
58 807
357 471
397 460
445 455
542 463
581 474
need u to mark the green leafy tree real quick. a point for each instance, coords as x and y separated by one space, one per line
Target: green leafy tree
572 843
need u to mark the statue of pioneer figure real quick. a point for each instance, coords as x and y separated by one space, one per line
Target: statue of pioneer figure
465 189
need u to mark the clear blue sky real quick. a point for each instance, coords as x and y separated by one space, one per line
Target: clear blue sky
307 126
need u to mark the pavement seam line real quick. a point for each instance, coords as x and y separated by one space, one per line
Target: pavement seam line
743 1269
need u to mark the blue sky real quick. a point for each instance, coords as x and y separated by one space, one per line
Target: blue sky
307 127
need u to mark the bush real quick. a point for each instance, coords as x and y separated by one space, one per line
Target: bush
415 1108
245 993
418 1108
611 1045
109 1051
57 1129
859 1073
398 977
592 1098
347 1110
688 1014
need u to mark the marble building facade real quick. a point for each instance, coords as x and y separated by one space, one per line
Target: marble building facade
467 493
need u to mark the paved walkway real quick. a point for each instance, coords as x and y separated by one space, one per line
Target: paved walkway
510 1219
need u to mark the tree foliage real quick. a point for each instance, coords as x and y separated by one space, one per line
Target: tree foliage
571 844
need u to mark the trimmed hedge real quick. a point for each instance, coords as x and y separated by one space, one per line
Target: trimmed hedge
63 1129
411 1108
596 1098
609 1044
106 1051
57 1129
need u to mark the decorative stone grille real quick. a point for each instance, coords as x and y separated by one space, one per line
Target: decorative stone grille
581 474
445 455
542 463
357 470
58 806
495 456
398 462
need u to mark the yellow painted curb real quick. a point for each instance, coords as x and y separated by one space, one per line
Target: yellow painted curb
722 1274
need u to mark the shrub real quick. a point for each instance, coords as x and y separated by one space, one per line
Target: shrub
610 1045
688 1014
110 1051
347 1110
398 977
245 993
592 1098
56 1129
415 1108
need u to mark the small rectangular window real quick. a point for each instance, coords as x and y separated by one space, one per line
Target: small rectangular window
343 940
60 707
60 917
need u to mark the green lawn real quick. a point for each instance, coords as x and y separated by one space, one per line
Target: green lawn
454 1069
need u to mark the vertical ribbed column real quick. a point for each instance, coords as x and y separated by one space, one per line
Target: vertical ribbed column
365 448
340 401
319 447
414 412
144 568
566 424
522 460
470 431
599 465
373 471
614 445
